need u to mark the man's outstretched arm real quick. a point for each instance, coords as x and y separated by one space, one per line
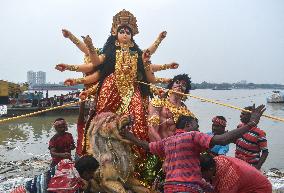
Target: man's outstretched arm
129 136
233 135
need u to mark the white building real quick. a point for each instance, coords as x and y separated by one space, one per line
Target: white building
31 77
34 78
41 77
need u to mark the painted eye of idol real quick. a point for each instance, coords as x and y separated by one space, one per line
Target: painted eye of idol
125 30
182 82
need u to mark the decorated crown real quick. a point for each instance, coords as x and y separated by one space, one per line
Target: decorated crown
124 18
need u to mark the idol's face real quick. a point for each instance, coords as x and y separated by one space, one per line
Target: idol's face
179 85
124 35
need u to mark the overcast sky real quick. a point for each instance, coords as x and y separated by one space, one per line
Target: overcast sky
212 40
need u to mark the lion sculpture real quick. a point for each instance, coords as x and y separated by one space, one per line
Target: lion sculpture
116 172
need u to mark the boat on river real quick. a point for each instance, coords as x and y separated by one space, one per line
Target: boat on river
26 108
16 111
221 88
276 97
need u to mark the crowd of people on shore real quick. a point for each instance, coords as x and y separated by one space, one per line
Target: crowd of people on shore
37 99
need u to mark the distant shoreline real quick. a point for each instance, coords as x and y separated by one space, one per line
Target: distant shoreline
229 86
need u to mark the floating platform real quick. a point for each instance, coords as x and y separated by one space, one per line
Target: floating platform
16 111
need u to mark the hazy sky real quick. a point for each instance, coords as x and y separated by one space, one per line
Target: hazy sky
212 40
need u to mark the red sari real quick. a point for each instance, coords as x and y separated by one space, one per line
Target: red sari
109 100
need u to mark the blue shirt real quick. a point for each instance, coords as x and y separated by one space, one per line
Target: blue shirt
219 149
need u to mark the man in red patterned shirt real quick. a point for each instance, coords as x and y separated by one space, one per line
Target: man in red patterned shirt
61 144
252 146
228 174
182 152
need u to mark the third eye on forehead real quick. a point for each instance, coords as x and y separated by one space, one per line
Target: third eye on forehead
180 82
124 30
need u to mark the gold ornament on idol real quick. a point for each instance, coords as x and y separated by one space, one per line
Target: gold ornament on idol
164 67
80 80
157 42
177 111
74 39
154 120
72 67
162 80
125 74
124 18
147 65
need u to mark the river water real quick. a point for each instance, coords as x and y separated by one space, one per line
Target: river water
28 137
241 98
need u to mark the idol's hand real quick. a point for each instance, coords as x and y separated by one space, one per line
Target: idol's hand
146 56
173 65
70 82
162 35
87 40
83 95
66 33
61 67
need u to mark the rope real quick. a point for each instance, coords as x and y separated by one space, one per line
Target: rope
190 95
41 111
213 101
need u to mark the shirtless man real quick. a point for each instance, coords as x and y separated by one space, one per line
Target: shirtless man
165 111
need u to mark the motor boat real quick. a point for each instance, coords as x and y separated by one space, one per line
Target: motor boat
276 97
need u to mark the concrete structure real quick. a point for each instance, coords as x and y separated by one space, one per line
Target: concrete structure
31 77
41 77
34 78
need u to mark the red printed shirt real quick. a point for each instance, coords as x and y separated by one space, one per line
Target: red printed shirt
181 152
66 178
249 146
63 144
236 176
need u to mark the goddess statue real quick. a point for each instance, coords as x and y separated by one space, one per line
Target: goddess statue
116 72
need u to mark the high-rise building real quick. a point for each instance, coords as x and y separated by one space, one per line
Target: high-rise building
34 78
41 77
31 77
